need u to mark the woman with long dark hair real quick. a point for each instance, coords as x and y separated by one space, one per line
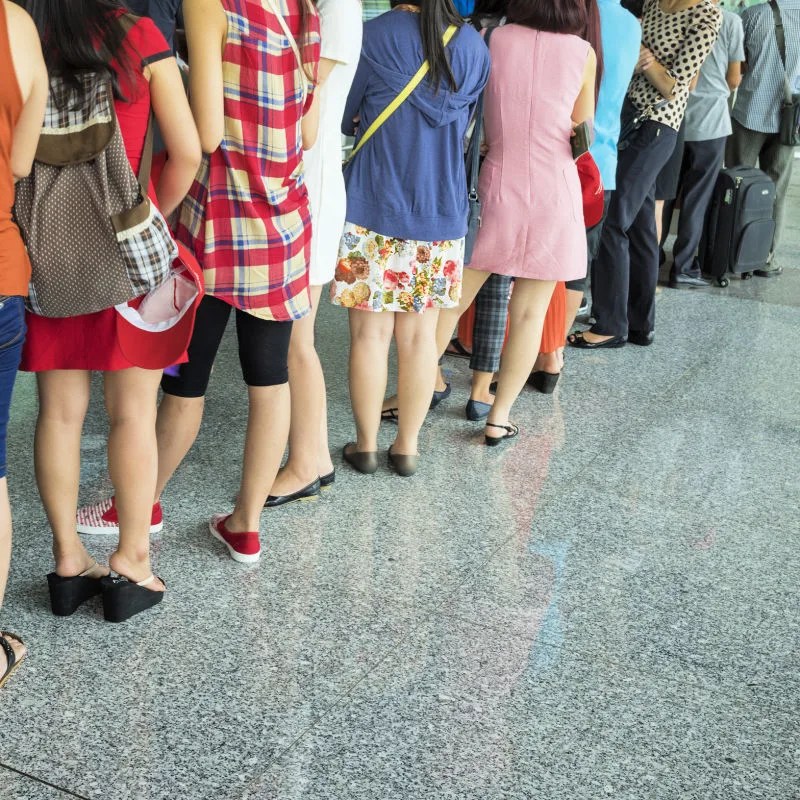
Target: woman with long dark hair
532 226
401 255
677 36
23 94
98 36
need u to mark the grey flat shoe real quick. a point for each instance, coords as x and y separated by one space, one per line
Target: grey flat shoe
402 464
366 463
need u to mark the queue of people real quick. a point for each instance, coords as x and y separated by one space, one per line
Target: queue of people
263 217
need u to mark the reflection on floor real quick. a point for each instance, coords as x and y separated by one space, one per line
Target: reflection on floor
609 608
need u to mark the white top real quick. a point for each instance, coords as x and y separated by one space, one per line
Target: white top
340 23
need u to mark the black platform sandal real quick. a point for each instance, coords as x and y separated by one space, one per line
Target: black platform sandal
68 594
11 656
544 382
123 599
511 432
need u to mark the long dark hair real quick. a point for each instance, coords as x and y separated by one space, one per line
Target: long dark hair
79 36
579 17
490 8
593 35
435 17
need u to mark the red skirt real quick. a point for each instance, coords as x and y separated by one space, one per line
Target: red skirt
88 342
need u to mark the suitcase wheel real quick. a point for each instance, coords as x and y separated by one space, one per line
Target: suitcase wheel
746 276
723 282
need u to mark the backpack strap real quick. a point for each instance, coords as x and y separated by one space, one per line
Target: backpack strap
780 36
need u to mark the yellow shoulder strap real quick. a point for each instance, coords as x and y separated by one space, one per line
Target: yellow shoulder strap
400 99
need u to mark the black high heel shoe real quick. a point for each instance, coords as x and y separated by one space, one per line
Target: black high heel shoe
123 599
544 382
68 594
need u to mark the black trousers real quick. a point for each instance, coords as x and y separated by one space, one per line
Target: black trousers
701 166
625 273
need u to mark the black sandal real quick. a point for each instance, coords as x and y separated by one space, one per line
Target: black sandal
11 655
123 599
68 594
511 432
389 415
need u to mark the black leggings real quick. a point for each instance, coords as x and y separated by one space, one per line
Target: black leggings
263 349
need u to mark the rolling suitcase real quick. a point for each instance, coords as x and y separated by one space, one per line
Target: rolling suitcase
739 226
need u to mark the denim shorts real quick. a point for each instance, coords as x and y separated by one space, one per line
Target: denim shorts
12 335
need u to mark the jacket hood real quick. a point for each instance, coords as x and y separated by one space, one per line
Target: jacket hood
393 50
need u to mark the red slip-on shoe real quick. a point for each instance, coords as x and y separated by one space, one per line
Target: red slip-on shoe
102 518
243 547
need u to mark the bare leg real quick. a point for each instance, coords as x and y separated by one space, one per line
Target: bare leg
5 559
177 426
308 435
131 402
370 338
267 433
481 381
63 402
659 219
471 284
415 336
573 304
529 302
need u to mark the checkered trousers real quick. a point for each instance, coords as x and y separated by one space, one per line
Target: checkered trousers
491 315
247 215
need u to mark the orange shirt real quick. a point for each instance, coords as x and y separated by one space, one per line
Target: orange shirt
15 269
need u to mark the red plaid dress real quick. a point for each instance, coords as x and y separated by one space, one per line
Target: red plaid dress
247 215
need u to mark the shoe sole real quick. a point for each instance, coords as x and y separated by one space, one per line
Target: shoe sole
295 500
242 558
90 530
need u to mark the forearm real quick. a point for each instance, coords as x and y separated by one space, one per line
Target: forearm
174 183
659 78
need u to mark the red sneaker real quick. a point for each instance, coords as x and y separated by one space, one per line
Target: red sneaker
243 547
100 518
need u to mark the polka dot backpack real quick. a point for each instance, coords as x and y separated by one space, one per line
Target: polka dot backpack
94 239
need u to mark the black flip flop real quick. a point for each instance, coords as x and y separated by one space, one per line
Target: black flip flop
389 415
11 657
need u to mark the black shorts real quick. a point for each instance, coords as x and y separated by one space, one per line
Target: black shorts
263 350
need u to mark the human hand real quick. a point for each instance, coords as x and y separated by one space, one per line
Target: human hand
646 60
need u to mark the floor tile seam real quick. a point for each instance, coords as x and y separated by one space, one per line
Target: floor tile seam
724 690
27 775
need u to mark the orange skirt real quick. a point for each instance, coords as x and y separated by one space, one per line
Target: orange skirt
553 333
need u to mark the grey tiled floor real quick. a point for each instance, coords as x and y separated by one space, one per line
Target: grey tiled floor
609 608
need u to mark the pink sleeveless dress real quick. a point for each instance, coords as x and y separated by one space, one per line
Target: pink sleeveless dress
532 207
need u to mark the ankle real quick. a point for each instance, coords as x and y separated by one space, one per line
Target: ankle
135 566
71 561
240 522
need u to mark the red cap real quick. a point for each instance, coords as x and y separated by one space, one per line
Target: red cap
154 331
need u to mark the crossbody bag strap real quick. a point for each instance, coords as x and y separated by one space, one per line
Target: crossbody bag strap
400 99
780 35
292 43
477 133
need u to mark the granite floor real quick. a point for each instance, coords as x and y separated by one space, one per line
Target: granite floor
609 608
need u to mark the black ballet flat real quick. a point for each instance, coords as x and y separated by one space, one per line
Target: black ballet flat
403 465
123 599
365 463
511 432
476 410
326 481
310 492
544 382
68 594
578 340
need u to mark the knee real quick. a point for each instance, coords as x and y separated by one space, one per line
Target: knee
371 331
64 410
302 352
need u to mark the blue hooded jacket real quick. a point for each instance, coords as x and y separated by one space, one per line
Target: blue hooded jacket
408 181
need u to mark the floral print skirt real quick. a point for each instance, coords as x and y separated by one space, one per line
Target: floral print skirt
379 273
